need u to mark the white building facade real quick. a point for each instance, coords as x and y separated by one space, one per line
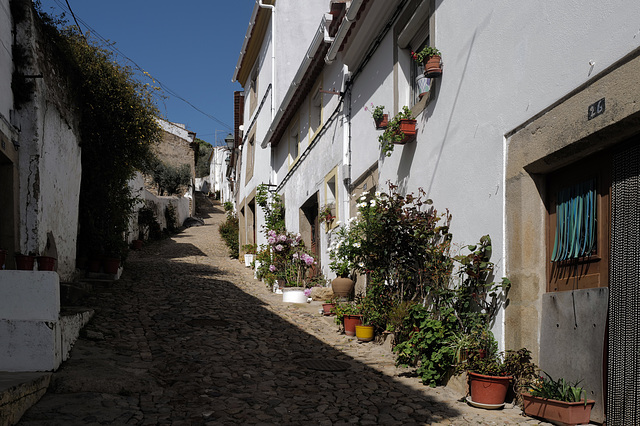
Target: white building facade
533 100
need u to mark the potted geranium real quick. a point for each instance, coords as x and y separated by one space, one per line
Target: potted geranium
379 117
557 401
343 243
401 129
431 58
326 214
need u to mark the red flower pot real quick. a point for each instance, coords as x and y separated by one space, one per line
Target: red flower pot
46 263
24 262
432 67
408 127
350 322
383 122
327 309
570 413
488 389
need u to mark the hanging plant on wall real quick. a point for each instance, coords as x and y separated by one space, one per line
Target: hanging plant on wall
401 129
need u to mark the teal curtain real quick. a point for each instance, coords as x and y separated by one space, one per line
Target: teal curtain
575 221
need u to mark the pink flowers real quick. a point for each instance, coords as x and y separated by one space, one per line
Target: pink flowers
272 268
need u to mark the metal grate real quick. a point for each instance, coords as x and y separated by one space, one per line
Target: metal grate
623 390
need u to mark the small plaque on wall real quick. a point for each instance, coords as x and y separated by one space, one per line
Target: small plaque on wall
595 109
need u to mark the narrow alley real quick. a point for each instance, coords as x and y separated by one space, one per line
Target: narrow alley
188 337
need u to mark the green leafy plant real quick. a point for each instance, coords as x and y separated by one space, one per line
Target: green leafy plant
392 133
250 248
229 230
171 180
426 52
560 389
273 207
518 365
228 206
427 345
376 111
344 308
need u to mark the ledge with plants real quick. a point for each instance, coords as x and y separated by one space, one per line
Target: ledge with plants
432 60
401 129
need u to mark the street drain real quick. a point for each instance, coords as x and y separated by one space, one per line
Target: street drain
325 364
207 322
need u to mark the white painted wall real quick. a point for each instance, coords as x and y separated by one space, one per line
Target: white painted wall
34 336
502 65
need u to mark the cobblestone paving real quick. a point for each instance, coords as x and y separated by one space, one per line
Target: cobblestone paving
187 337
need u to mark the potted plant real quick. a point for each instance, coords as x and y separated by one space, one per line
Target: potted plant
401 129
46 263
366 330
432 60
326 214
328 307
557 401
488 379
343 243
24 262
250 252
379 117
348 316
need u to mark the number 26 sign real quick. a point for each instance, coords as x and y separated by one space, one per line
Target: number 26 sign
595 109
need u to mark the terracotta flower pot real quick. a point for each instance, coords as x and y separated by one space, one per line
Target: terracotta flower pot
488 389
24 262
408 127
383 122
433 68
350 322
570 413
327 309
342 287
364 333
46 263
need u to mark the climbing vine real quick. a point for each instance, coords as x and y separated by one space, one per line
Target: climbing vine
117 129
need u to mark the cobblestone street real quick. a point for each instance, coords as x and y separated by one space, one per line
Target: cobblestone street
188 337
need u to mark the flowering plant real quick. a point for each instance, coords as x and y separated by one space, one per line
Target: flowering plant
344 245
376 111
326 213
289 258
423 55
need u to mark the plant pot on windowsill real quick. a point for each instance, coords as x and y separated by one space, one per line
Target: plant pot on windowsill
433 66
570 413
382 122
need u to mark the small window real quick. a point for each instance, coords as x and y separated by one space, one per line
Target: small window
420 84
315 110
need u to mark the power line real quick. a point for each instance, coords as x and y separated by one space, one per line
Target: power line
112 46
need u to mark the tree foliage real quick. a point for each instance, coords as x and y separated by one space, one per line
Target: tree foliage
117 129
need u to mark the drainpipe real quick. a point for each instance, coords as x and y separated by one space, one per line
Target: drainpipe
273 54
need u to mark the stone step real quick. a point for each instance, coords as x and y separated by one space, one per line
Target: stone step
18 392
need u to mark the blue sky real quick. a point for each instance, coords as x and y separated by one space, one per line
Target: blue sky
190 46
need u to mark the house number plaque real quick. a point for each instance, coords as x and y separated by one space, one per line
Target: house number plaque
595 109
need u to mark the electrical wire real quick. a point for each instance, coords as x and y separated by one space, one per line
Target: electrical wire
111 45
